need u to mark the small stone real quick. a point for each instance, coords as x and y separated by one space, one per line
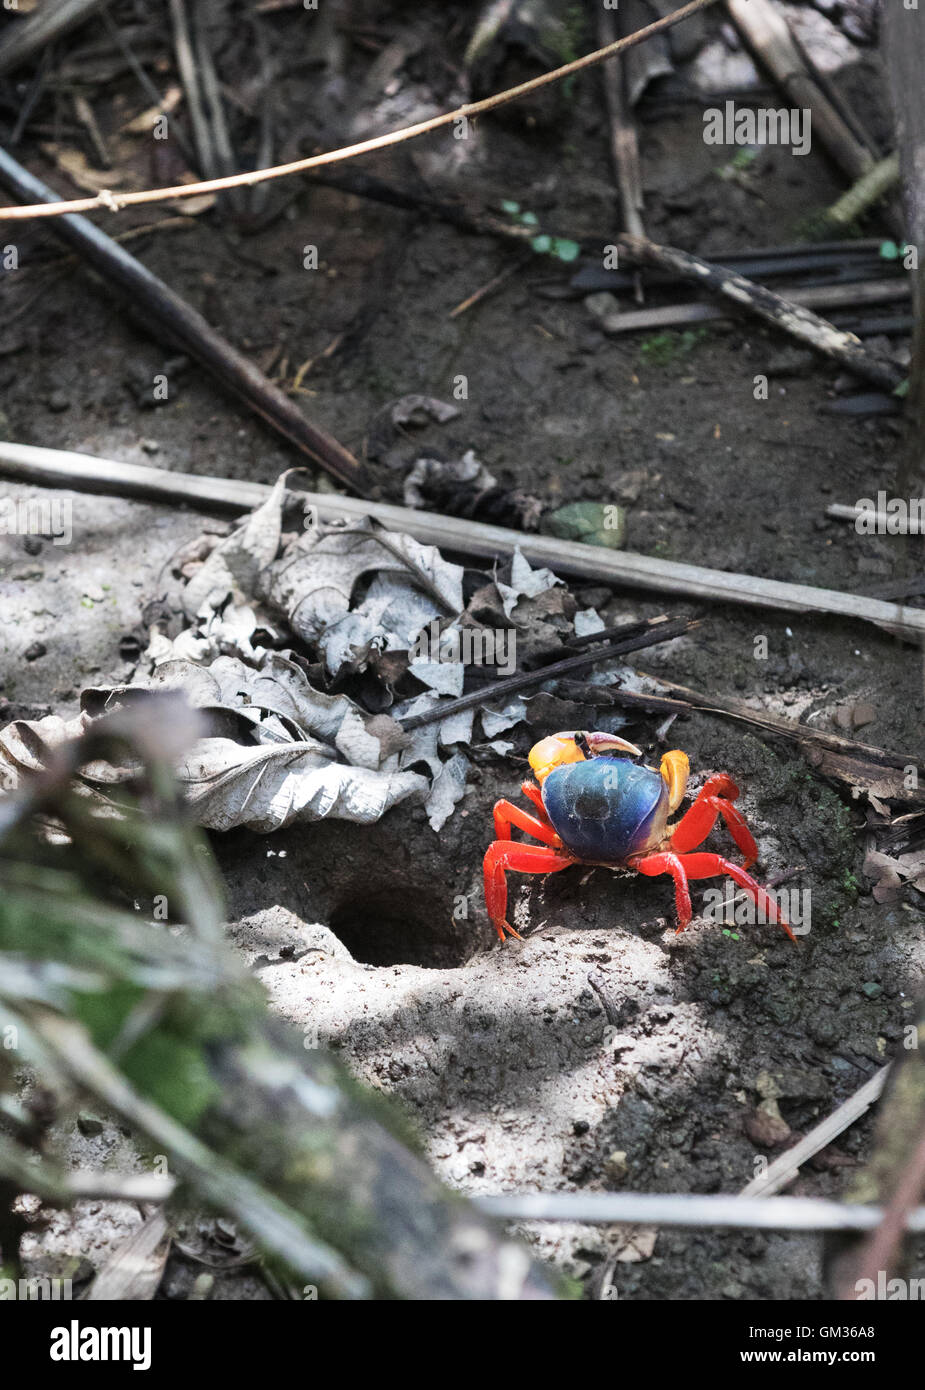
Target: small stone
605 308
591 523
871 989
766 1127
58 401
35 651
89 1125
616 1167
863 713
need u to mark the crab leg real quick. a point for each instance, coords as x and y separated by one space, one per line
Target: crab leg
535 794
526 859
665 862
715 799
711 865
506 814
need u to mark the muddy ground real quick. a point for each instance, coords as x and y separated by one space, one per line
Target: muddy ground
506 1058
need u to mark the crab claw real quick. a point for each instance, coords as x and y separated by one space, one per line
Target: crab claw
611 743
574 746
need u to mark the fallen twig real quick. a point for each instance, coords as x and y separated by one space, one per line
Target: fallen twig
624 146
862 195
59 468
172 316
113 202
768 35
774 724
881 522
661 630
785 314
689 1209
788 1164
847 296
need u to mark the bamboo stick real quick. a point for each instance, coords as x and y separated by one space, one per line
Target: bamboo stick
58 468
689 1209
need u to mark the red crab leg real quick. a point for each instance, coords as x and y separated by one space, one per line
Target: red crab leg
526 859
711 865
667 863
535 794
507 814
715 799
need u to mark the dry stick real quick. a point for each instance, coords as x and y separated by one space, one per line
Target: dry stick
189 76
47 23
624 146
788 1164
493 284
868 190
768 36
786 314
812 296
689 1209
774 724
882 523
111 201
60 468
169 314
511 685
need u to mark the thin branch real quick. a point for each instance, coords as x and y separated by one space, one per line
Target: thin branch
788 1164
786 314
113 202
61 468
690 1209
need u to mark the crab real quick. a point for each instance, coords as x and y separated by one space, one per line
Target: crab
594 806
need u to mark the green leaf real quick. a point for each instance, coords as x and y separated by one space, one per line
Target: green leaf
542 243
889 251
510 207
566 250
530 219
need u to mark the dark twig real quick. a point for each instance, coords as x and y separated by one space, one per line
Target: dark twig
661 631
801 323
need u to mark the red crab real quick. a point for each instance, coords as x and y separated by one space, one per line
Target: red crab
596 808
